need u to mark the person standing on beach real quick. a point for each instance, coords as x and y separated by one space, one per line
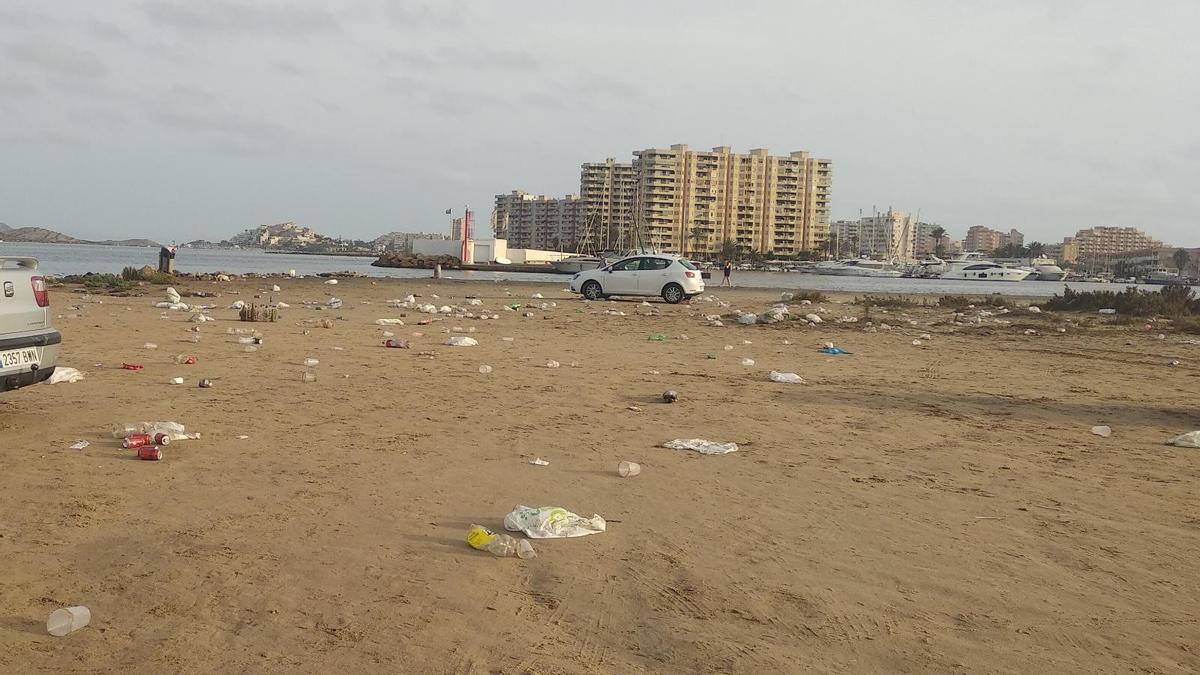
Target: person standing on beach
728 269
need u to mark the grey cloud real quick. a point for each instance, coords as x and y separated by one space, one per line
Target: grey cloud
232 18
404 13
467 57
234 127
13 87
57 58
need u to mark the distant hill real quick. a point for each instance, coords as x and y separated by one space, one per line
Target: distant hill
127 242
39 235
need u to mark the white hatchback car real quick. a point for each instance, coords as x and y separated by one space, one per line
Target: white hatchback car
672 277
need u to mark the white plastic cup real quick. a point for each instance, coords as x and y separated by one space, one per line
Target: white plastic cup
309 363
309 377
68 620
627 469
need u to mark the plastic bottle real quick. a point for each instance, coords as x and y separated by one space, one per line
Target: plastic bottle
499 545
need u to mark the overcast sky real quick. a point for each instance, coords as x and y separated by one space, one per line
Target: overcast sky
179 119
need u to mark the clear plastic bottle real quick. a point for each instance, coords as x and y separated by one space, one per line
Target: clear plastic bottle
500 545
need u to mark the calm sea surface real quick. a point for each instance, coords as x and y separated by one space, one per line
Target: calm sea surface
63 259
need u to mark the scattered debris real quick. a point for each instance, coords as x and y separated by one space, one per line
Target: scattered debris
785 378
551 522
701 446
62 374
1188 440
539 462
1102 431
669 396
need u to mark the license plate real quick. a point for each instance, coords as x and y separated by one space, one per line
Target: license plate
19 358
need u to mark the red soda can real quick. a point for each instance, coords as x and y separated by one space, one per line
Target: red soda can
162 439
137 440
149 452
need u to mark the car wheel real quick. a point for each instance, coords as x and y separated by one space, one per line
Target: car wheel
673 293
591 290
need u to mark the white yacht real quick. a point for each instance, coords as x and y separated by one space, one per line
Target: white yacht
983 270
857 267
1047 269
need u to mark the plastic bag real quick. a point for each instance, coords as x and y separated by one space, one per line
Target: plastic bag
785 378
701 446
1190 440
61 374
747 319
551 522
462 341
389 322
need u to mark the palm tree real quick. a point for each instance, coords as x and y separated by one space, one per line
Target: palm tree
1036 249
939 245
729 250
698 235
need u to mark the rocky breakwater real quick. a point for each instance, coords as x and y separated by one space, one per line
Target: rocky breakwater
396 259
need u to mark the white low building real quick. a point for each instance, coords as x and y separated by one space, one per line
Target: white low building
486 251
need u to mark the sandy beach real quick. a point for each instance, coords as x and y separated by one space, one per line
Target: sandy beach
941 507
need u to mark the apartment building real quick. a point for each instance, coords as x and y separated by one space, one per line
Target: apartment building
985 239
926 244
537 221
1105 242
888 235
608 191
691 201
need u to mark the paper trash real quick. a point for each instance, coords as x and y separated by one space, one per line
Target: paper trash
701 446
551 522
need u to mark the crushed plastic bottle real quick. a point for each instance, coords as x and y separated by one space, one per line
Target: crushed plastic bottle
499 545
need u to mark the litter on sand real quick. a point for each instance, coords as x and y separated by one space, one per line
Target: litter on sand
61 374
79 445
701 446
539 462
1102 431
462 341
551 522
836 351
785 378
1189 440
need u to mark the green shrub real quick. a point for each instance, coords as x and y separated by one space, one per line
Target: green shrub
889 301
1172 300
961 302
104 281
811 296
146 274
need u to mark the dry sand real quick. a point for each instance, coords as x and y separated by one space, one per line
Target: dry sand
941 508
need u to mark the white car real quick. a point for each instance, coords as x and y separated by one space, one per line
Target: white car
672 277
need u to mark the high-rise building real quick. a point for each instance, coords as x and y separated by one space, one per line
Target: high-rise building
986 240
608 191
926 244
537 221
887 235
1102 242
692 201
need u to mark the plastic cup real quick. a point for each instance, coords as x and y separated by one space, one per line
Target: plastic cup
627 469
309 363
67 620
525 550
310 377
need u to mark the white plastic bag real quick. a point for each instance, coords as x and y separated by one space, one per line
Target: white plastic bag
785 378
1190 440
61 374
389 322
701 446
747 319
551 522
462 341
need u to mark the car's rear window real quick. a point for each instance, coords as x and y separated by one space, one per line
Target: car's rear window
687 264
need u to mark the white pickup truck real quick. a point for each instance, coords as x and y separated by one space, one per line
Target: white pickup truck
28 343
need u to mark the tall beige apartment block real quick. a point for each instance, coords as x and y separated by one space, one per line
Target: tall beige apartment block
691 202
608 191
1102 242
537 221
